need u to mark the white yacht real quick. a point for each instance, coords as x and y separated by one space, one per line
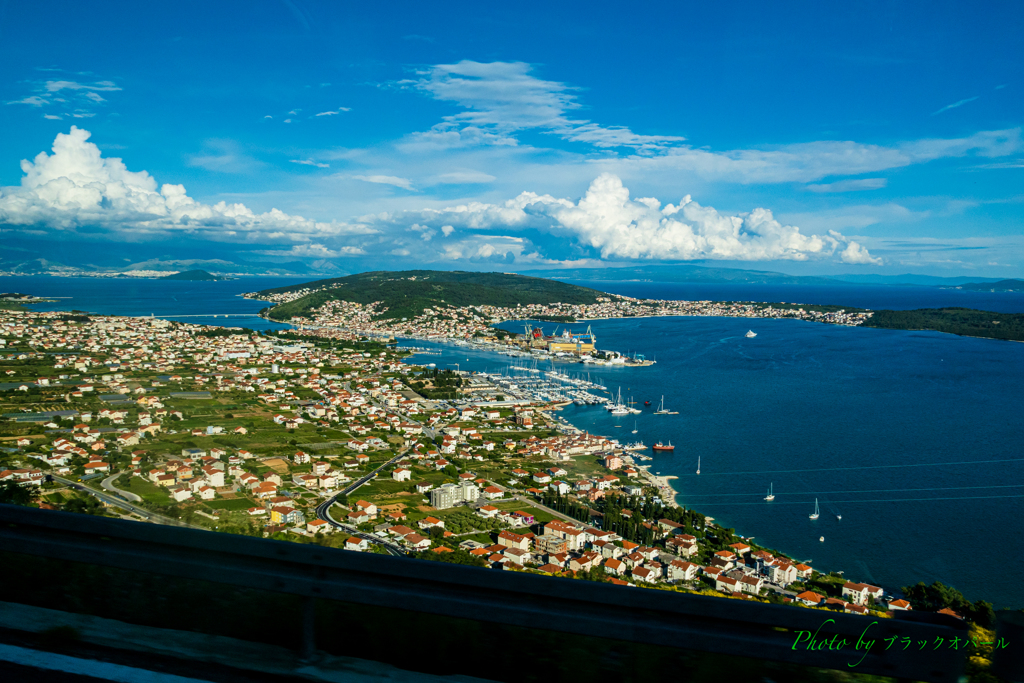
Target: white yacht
750 334
770 496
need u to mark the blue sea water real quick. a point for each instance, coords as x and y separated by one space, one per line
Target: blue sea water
914 437
186 301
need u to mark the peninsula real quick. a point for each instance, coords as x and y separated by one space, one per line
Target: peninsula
459 305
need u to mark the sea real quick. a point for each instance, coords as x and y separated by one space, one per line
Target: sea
914 438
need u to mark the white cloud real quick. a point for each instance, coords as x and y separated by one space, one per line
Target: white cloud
53 117
850 185
76 187
502 97
403 183
315 251
955 105
95 97
855 253
31 100
810 161
57 86
310 162
447 230
464 178
333 113
607 221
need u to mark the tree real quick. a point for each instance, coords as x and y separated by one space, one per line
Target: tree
84 505
938 596
14 494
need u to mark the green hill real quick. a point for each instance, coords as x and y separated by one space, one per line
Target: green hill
193 275
405 294
963 321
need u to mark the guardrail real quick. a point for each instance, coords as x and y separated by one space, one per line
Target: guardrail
605 611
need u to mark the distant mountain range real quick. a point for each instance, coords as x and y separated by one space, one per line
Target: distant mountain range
193 275
87 259
708 274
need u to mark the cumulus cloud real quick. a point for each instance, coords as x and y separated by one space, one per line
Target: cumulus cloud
76 188
403 183
503 97
855 253
608 222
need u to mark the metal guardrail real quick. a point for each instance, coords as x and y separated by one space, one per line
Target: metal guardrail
691 622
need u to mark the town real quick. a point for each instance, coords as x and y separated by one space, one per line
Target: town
319 439
475 323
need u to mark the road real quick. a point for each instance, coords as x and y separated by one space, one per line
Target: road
108 484
534 503
323 510
123 504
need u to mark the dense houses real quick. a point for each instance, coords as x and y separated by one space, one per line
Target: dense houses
119 382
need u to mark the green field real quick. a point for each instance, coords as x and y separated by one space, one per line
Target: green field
231 504
149 492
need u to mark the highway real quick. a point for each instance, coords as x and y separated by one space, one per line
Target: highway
123 504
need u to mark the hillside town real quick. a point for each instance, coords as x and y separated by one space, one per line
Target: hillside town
328 439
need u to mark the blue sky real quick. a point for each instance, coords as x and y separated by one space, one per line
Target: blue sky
877 137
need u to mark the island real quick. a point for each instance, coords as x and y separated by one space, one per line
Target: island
999 286
966 322
193 275
407 294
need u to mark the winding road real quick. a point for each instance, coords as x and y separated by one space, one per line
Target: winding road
323 510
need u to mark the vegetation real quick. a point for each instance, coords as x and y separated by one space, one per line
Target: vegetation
14 494
406 294
459 556
963 321
939 596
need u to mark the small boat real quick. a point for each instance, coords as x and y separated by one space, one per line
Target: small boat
839 517
664 447
698 464
822 539
750 334
770 496
661 409
815 515
647 403
634 427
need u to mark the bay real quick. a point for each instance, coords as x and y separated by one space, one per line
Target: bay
914 437
182 300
